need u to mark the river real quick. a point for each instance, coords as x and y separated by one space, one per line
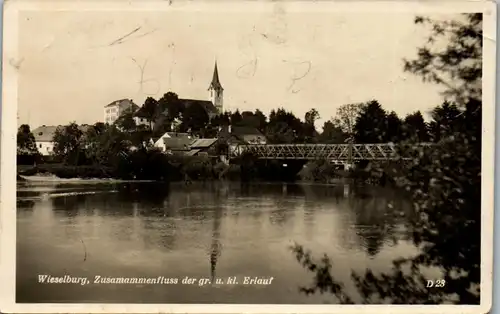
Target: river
204 230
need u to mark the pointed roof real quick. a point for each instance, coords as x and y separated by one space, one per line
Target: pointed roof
215 84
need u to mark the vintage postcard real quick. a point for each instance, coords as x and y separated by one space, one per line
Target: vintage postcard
247 156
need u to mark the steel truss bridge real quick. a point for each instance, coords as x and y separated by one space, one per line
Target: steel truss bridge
332 152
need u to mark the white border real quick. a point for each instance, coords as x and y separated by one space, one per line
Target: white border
8 151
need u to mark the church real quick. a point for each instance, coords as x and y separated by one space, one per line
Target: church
213 106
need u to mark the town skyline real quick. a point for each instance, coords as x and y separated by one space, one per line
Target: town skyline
264 64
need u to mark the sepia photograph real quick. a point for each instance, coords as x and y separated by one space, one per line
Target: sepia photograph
263 156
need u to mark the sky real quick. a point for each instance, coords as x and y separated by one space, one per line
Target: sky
76 62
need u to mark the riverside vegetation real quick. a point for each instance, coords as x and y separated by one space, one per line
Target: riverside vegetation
443 183
124 150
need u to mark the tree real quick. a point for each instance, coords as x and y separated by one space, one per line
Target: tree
415 128
345 119
150 109
107 146
446 120
236 117
195 118
284 128
456 65
26 144
172 105
68 144
332 134
311 116
222 119
444 184
141 137
394 128
126 121
249 119
261 117
91 141
371 124
309 128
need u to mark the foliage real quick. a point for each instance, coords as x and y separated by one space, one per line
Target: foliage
26 144
394 128
68 144
194 119
414 128
320 171
171 104
457 65
346 117
235 117
446 120
332 134
371 124
126 122
284 127
444 183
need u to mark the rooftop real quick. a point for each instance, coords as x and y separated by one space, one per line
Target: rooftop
45 133
121 102
203 142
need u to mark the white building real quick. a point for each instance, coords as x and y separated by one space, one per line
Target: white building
43 139
174 142
143 121
44 136
115 109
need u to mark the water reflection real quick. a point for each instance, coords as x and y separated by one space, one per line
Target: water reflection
169 230
216 247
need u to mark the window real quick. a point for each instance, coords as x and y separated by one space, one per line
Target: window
40 145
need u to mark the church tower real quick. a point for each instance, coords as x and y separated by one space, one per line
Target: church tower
216 91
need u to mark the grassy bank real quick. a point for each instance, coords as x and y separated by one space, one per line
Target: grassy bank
175 170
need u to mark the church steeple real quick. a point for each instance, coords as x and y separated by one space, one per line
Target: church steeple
216 91
215 84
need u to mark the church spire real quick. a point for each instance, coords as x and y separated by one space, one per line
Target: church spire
215 84
216 91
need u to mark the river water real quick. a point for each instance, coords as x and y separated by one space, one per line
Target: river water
204 230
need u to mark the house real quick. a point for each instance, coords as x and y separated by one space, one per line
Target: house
117 108
43 139
248 135
44 136
203 147
142 118
241 135
174 143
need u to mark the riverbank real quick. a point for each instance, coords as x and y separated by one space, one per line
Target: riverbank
313 172
55 179
190 170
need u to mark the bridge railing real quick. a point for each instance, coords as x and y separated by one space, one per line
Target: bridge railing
338 152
